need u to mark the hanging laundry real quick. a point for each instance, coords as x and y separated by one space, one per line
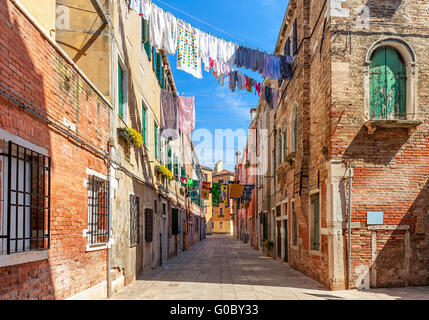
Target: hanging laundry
216 194
276 68
205 190
269 96
232 80
134 5
236 190
258 88
213 47
187 114
146 9
190 182
247 192
184 181
169 106
253 59
157 27
261 62
275 95
170 37
188 58
225 195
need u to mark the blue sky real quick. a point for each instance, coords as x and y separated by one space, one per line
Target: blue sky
252 23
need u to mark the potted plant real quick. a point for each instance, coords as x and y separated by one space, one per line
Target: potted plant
163 170
131 136
268 245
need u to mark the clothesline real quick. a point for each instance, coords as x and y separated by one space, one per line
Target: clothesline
208 24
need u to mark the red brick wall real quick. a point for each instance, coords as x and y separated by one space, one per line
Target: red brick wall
34 73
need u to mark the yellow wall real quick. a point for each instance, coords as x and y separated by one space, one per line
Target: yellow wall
44 12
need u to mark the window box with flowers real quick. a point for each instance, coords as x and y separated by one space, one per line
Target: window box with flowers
163 170
131 136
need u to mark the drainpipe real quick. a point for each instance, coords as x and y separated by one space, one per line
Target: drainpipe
349 265
112 91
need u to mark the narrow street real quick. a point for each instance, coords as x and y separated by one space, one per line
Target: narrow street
222 267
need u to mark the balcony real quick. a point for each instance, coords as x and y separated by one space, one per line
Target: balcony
389 121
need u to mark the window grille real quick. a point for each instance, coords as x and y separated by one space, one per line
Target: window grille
25 199
134 220
148 221
98 210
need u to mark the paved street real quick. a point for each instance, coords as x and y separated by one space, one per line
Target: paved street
221 267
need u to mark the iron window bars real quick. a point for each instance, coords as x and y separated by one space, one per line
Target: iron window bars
134 220
25 188
98 210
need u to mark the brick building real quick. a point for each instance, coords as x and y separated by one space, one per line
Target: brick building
83 210
54 133
357 103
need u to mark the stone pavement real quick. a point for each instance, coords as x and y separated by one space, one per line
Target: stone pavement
223 268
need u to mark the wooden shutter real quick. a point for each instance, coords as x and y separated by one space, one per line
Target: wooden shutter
170 162
280 146
176 166
146 38
148 223
120 92
388 82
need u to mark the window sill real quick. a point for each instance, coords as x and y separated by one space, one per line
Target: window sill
22 257
373 125
315 252
95 247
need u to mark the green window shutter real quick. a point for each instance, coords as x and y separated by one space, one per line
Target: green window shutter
144 125
155 136
176 166
146 38
158 67
120 92
154 59
170 164
183 171
285 144
388 81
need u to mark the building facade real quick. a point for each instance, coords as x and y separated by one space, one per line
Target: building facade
84 210
349 138
221 221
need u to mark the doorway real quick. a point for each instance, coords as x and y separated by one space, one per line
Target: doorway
279 239
285 234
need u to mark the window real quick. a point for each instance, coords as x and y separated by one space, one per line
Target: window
294 127
295 226
220 212
122 93
295 37
25 199
220 180
278 211
169 157
156 142
134 220
212 224
174 221
148 225
164 210
146 38
287 50
220 225
144 124
98 210
315 221
159 70
285 151
279 146
388 84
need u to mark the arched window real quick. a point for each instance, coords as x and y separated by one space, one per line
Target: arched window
388 85
294 127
